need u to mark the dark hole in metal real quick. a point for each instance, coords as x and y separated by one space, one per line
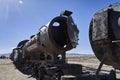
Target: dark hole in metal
59 33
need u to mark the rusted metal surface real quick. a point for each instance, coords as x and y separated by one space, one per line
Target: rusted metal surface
44 54
100 19
104 35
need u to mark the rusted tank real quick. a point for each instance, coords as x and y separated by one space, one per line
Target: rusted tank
44 54
104 35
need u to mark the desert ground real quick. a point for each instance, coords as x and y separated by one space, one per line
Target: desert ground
9 72
89 63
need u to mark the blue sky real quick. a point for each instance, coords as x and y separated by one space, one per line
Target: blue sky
19 19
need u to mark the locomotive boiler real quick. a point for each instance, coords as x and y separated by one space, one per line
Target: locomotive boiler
44 54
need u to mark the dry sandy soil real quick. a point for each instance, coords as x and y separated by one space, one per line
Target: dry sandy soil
89 63
9 72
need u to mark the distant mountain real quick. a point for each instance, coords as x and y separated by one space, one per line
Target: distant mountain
77 54
68 54
5 54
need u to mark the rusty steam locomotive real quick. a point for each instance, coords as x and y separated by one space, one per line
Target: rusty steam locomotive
46 51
